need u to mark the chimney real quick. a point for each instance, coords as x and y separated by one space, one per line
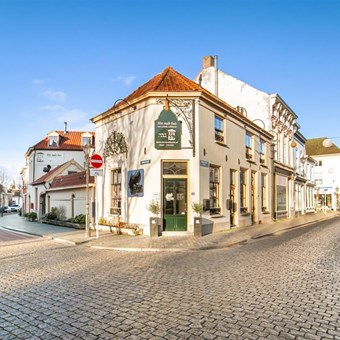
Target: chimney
208 61
65 127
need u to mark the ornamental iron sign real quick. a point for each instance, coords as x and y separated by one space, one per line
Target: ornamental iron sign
167 131
115 144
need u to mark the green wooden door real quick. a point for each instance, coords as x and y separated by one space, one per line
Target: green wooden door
175 204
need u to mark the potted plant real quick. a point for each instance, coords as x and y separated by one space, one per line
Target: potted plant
155 225
197 208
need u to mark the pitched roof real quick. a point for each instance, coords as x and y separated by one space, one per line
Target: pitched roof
167 81
170 81
49 176
77 179
69 140
315 147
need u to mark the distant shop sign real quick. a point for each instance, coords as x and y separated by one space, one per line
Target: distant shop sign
167 131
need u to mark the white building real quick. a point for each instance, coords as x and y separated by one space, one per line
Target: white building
174 142
274 115
56 149
326 172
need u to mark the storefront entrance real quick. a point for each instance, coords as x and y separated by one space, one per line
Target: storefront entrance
174 204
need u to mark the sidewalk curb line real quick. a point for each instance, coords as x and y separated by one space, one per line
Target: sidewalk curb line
142 249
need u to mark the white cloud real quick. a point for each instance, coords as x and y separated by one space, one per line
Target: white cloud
72 116
38 82
52 107
58 96
127 80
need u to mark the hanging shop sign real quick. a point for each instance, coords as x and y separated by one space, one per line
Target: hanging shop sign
167 131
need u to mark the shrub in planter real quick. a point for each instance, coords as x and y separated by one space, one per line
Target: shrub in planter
32 216
155 225
52 215
80 219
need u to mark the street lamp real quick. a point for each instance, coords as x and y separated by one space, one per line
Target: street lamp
87 148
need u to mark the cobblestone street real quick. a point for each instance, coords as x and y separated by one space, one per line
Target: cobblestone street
279 287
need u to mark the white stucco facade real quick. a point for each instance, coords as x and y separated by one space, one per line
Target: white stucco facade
204 170
274 115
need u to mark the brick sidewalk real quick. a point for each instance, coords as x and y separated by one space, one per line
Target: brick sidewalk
166 242
212 241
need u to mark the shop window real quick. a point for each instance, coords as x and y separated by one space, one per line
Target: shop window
249 146
214 189
116 192
219 133
243 191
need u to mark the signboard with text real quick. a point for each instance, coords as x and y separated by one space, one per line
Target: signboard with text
167 131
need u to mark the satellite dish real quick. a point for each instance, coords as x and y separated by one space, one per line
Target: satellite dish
327 143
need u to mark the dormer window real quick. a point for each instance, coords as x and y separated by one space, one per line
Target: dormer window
87 139
53 141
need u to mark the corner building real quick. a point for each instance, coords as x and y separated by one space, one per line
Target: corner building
174 142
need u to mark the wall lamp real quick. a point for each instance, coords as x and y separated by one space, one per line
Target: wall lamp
122 100
260 120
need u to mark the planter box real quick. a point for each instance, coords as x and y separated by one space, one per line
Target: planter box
64 224
202 227
155 227
198 232
120 230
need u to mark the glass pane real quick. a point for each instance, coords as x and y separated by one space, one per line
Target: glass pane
180 198
169 198
248 140
218 123
174 168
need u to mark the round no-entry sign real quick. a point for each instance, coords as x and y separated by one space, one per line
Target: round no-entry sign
96 161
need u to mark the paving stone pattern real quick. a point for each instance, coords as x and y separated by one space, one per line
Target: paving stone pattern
285 286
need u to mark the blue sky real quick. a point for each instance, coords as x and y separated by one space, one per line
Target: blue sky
69 60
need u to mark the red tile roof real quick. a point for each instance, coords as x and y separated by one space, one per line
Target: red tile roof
71 140
48 175
72 180
167 81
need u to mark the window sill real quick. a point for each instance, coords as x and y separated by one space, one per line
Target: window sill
217 216
215 211
221 144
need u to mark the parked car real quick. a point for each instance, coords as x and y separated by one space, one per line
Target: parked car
5 209
15 207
